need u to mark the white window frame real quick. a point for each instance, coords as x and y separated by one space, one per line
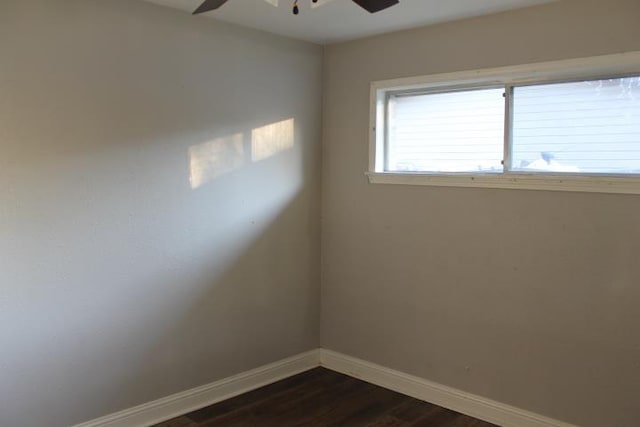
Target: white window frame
539 73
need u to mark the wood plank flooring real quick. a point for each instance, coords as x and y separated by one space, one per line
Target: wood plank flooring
323 398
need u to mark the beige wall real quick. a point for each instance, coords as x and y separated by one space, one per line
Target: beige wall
159 205
526 297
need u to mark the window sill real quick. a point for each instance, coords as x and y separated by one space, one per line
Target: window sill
515 181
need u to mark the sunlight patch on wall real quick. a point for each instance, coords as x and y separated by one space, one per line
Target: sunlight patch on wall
209 160
269 140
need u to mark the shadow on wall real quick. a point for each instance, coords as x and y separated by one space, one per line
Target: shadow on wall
189 289
230 321
251 307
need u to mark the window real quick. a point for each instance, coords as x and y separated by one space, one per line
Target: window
590 126
570 125
459 131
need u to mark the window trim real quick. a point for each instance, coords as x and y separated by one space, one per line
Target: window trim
607 66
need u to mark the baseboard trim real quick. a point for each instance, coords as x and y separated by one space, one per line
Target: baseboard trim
447 397
181 403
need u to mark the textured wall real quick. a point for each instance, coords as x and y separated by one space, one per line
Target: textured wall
526 297
159 205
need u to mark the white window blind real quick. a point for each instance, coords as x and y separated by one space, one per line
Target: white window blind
582 127
460 131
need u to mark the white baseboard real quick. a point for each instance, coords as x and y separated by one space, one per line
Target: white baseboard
187 401
182 403
447 397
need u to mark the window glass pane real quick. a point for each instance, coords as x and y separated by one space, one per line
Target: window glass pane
446 132
589 127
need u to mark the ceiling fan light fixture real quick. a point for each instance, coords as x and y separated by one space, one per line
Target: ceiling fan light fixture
371 6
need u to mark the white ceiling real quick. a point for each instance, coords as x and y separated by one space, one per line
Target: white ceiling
341 20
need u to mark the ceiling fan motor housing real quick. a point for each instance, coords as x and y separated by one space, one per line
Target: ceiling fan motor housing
371 6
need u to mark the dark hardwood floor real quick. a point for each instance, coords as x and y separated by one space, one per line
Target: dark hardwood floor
321 398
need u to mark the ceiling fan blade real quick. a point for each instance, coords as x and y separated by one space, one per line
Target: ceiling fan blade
373 6
209 5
